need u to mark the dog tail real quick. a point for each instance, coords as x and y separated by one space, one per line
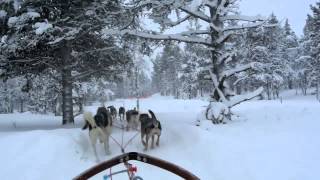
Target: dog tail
152 114
89 119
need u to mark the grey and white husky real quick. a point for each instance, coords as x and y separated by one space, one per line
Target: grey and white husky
150 127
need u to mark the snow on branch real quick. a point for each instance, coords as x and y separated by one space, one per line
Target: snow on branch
243 18
241 98
195 32
196 13
179 21
244 26
183 37
236 70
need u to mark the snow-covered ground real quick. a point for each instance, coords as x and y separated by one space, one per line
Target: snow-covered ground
270 140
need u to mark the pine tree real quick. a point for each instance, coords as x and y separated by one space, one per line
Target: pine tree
266 46
314 42
63 36
291 52
166 69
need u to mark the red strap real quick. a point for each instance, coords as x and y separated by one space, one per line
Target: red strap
133 169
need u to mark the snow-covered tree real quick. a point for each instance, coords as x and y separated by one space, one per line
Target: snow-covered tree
302 65
267 46
291 45
12 95
44 93
216 15
63 36
314 30
166 68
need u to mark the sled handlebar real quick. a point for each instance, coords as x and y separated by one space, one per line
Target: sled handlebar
138 157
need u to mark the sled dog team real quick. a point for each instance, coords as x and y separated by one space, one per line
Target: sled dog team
100 125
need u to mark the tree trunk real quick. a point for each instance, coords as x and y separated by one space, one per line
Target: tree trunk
268 90
318 90
290 83
67 103
21 105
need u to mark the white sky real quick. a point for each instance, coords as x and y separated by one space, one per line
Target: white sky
295 10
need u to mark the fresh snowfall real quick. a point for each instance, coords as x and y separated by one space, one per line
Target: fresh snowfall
269 140
231 96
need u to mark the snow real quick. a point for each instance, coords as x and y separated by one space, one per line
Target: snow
16 4
17 21
240 98
4 39
12 20
244 18
3 14
42 27
33 15
269 140
217 111
194 5
157 36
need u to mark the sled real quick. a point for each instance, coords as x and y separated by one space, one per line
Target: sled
124 158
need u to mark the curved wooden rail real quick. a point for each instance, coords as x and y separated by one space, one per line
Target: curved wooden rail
138 157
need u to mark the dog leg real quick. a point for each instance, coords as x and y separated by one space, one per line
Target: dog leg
95 151
108 133
143 142
152 141
147 142
158 140
107 147
93 138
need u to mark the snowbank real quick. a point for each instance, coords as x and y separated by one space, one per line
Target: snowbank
270 140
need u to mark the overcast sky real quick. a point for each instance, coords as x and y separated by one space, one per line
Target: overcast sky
295 10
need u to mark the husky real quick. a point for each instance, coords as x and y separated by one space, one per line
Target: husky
113 112
99 129
132 117
150 127
122 111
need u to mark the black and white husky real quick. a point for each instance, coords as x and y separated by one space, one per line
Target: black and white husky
150 127
113 112
99 128
122 111
132 117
